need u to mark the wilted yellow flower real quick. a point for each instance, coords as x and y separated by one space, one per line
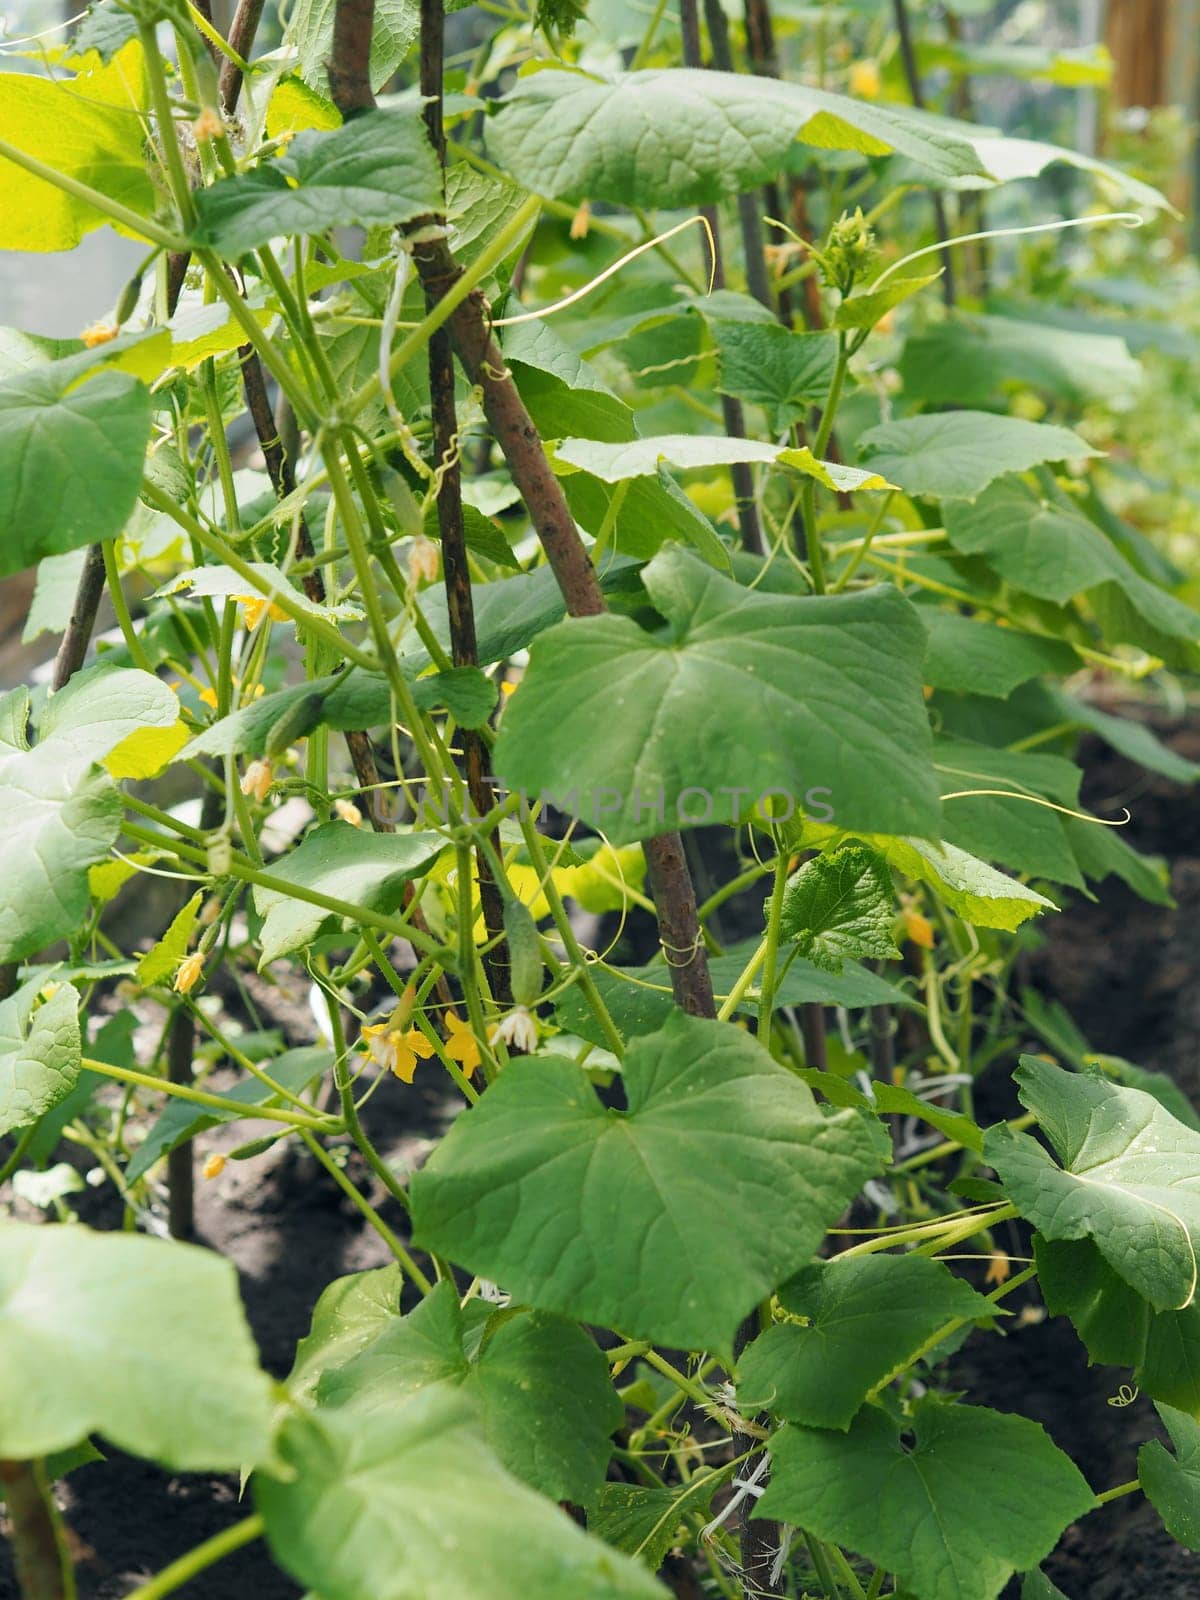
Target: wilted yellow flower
999 1268
349 812
257 780
917 929
207 126
518 1029
581 221
188 974
461 1044
424 559
865 81
99 333
213 1167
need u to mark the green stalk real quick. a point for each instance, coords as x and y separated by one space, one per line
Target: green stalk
369 1212
766 999
181 189
121 608
816 557
738 993
196 1561
215 1102
820 1560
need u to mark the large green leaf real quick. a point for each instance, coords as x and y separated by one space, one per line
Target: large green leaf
182 1120
562 393
348 1317
540 1385
1129 1179
971 888
686 137
61 814
355 699
639 999
966 653
1172 1482
86 128
768 365
1020 833
954 455
409 1501
1050 549
353 864
1009 160
641 458
141 1340
651 512
668 1221
930 1511
39 1053
310 29
380 168
71 449
973 360
751 692
840 904
866 1318
644 1521
1117 1326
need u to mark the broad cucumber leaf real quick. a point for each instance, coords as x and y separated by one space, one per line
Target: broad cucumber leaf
973 890
380 168
1133 739
641 458
294 1070
1051 550
653 511
540 1386
85 127
141 1340
840 904
954 455
349 1316
39 1052
1037 1586
310 30
431 1508
71 449
966 654
347 863
1172 1482
752 692
866 1319
62 814
686 136
891 1097
1129 1179
1008 160
561 392
54 595
644 1521
668 1221
355 699
927 1511
971 360
103 709
869 306
1103 853
1117 1326
768 365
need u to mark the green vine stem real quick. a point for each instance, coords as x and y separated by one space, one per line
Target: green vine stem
43 1564
199 1559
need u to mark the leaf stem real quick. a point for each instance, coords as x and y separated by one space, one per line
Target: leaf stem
203 1556
214 1102
368 1211
766 996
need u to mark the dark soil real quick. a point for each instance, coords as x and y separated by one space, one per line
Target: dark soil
1130 974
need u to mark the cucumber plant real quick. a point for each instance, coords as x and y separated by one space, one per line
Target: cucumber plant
574 481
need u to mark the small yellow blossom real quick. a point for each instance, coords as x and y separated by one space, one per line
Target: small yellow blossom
254 606
188 975
461 1044
207 126
349 812
395 1051
424 560
208 697
213 1167
999 1268
99 333
508 688
865 81
581 221
917 929
257 780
